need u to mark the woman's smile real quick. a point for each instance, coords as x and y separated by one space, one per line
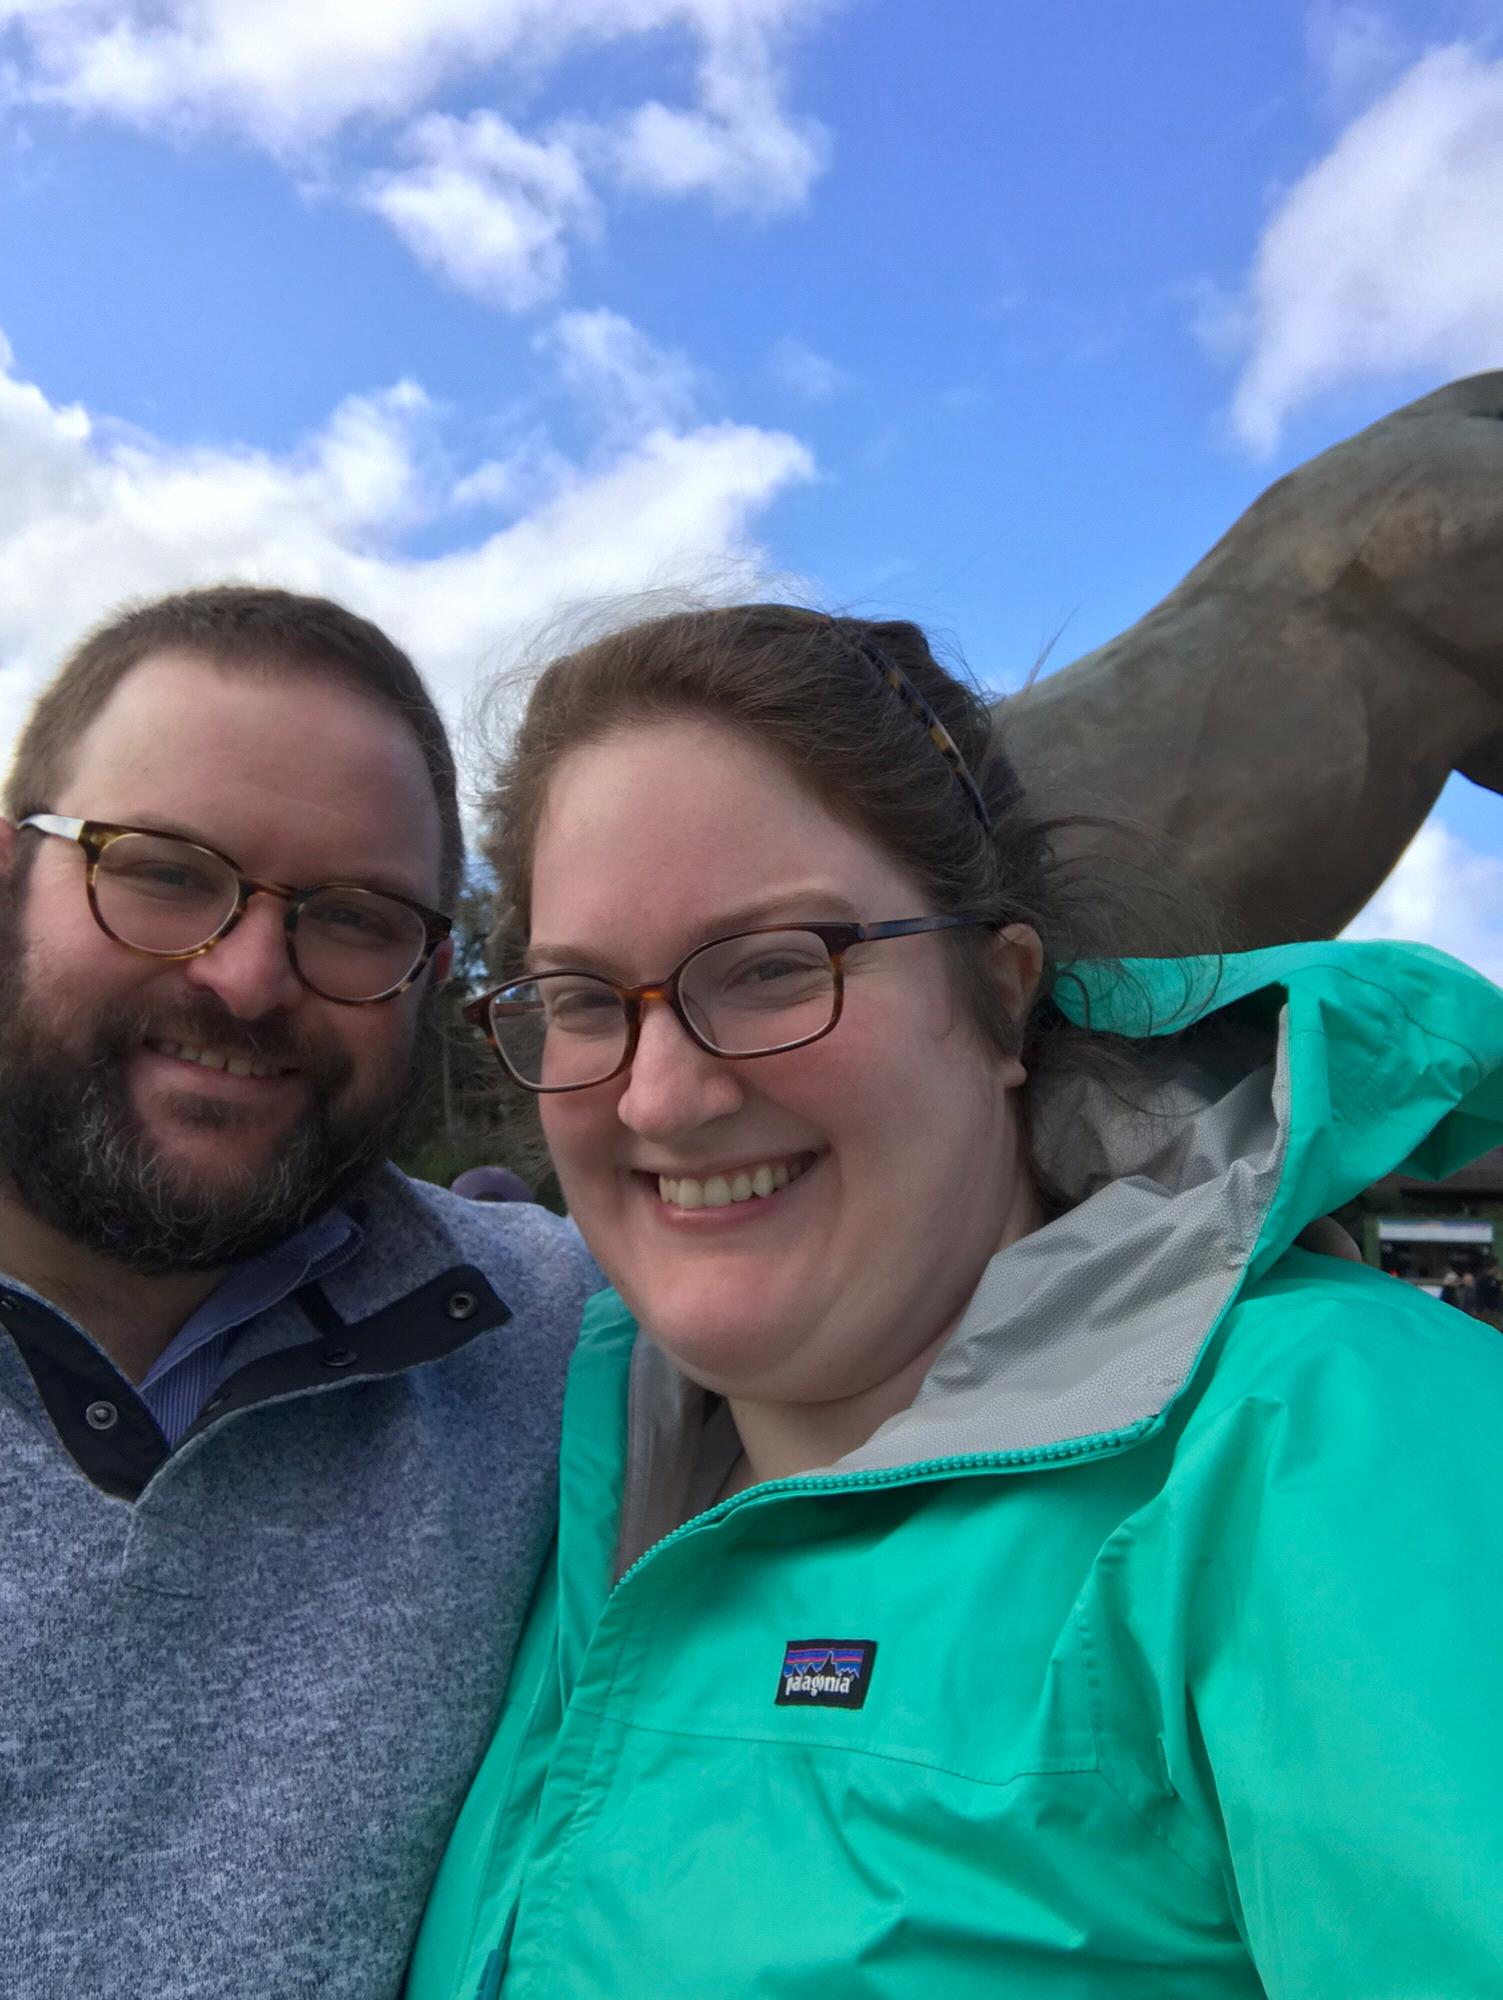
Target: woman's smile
733 1201
727 1187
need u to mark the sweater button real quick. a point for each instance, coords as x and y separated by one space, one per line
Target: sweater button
339 1357
101 1416
461 1305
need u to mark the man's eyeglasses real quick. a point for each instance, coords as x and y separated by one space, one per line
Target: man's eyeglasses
175 898
755 993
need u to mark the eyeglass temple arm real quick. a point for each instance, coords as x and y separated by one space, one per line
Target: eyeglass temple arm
910 926
67 829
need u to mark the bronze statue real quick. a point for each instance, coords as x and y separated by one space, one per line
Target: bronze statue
1287 716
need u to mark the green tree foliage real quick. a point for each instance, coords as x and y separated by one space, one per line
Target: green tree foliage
471 1115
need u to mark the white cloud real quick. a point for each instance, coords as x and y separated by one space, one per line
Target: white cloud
805 373
524 477
1357 50
1384 258
91 515
737 145
630 383
486 207
284 73
1443 892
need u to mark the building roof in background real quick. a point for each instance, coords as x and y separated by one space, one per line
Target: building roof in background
1482 1181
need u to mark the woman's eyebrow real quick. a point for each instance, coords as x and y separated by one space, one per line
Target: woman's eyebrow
555 957
791 908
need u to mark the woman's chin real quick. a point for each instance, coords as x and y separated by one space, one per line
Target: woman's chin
716 1341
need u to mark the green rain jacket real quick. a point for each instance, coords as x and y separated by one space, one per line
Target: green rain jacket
1155 1651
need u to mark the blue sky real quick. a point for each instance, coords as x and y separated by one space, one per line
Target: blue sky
992 316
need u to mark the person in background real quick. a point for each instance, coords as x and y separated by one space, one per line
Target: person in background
994 1557
491 1184
1487 1292
277 1425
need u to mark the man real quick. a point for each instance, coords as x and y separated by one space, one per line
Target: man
276 1424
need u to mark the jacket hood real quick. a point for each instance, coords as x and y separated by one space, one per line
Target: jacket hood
1296 1078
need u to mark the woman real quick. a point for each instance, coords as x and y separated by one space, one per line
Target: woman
992 1558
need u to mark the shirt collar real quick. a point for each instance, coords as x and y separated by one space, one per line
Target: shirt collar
260 1283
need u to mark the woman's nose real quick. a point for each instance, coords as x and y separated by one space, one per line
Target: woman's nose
673 1084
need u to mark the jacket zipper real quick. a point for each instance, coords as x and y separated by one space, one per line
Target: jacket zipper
1097 1446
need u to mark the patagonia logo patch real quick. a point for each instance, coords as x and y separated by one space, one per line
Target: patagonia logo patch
826 1673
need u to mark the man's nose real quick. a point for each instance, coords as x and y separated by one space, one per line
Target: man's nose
674 1086
250 968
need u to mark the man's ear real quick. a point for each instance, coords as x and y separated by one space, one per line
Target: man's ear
442 962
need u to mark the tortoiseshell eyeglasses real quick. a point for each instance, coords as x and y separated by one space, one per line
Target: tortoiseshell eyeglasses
755 993
173 898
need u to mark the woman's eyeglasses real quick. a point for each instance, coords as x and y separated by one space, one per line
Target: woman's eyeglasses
755 993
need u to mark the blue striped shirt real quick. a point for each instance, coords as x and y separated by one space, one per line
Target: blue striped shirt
183 1376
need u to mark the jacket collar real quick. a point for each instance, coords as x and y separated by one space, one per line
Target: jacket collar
1298 1077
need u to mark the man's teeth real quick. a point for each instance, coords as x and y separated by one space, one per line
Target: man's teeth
217 1059
720 1190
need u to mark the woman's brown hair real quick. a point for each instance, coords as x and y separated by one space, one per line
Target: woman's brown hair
810 688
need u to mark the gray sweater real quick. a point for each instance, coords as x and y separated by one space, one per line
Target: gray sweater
243 1685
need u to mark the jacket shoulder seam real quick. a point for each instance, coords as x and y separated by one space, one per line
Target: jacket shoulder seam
1205 1872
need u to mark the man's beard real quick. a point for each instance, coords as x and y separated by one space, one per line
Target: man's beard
75 1153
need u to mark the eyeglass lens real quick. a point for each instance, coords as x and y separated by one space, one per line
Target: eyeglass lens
168 896
744 996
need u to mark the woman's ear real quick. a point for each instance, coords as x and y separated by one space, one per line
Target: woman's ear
1019 964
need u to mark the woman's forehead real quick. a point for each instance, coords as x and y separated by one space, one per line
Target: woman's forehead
677 829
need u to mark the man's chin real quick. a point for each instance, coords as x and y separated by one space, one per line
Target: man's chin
224 1147
215 1170
166 1194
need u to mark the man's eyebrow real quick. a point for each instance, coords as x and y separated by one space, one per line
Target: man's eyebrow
377 881
792 908
165 823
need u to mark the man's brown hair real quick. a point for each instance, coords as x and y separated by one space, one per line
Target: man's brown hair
245 627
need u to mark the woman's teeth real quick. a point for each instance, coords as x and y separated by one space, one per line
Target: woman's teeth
720 1190
217 1059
